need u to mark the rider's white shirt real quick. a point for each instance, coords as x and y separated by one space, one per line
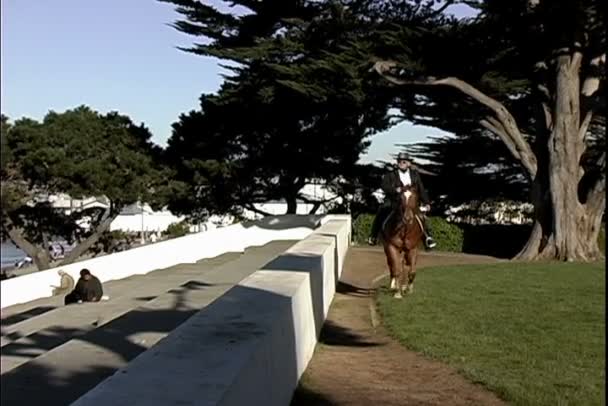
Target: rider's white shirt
405 177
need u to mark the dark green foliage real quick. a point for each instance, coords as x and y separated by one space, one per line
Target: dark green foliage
300 105
113 241
449 237
83 154
175 230
362 226
474 167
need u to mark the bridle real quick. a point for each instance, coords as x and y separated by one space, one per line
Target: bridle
407 193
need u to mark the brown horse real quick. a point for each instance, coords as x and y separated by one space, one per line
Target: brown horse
401 235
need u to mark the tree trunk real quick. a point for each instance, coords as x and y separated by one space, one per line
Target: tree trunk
292 204
107 219
566 222
564 227
40 256
315 207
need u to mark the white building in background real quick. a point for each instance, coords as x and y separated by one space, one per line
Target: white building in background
139 217
489 212
313 191
496 212
133 218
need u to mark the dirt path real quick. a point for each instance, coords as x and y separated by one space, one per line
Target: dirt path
356 363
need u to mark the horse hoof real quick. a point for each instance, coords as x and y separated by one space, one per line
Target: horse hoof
393 283
398 296
410 289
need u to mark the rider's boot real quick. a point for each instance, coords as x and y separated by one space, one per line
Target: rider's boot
429 242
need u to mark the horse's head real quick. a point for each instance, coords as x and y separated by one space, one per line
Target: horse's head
409 202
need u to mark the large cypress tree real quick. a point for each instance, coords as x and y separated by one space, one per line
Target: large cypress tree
294 109
532 74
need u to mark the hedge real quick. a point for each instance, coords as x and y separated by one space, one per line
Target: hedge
449 237
497 240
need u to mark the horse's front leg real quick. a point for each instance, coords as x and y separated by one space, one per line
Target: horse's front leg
393 262
412 257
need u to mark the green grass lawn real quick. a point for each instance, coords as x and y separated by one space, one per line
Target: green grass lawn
532 333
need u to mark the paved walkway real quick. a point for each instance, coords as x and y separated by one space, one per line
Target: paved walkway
53 354
357 364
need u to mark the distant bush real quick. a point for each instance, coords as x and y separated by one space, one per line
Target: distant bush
177 230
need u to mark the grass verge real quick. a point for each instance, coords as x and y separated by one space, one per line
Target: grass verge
532 333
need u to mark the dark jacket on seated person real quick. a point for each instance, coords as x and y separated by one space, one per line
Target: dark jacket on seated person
87 289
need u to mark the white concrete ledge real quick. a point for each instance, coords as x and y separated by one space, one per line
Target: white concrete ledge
141 260
250 346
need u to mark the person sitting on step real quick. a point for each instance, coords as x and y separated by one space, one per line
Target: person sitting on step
88 289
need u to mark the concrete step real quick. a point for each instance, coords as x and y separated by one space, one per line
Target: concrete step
83 316
63 374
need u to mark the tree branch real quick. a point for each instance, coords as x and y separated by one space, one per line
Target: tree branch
575 61
38 255
591 83
494 126
437 12
106 220
596 198
310 201
424 171
250 206
582 131
511 130
546 109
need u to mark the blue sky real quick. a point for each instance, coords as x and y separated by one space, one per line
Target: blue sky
116 55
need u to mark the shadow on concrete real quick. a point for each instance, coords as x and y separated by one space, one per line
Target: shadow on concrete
285 222
58 387
19 317
238 322
41 341
305 263
242 317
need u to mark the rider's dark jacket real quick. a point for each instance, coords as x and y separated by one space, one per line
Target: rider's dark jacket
391 181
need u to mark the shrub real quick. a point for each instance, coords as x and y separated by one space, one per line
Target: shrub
175 230
110 242
449 237
362 225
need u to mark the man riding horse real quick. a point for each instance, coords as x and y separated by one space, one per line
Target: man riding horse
392 184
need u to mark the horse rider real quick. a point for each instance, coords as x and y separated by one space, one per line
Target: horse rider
405 174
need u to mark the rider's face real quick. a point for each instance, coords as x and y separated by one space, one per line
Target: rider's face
403 164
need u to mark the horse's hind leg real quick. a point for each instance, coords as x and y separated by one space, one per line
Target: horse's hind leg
412 257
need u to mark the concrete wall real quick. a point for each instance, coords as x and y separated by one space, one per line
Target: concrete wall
250 346
141 260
